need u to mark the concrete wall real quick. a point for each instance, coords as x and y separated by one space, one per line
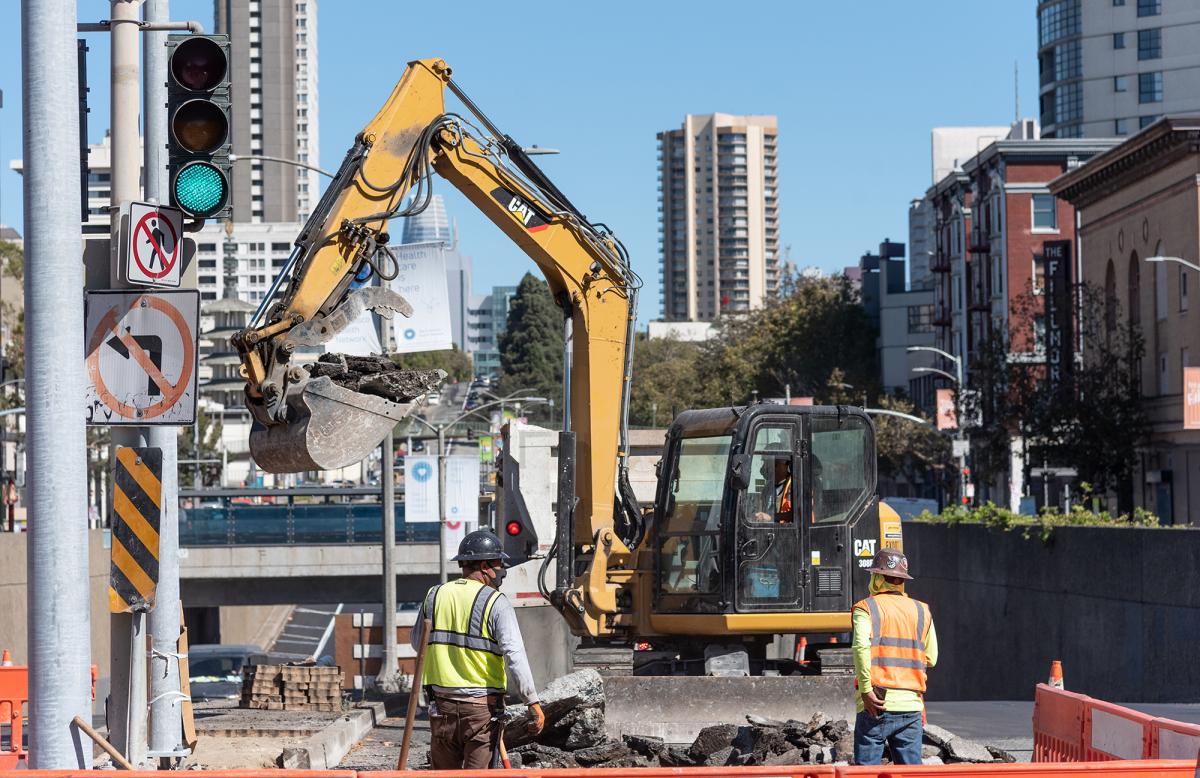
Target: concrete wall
14 598
1119 606
256 625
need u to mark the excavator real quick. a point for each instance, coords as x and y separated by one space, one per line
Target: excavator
763 514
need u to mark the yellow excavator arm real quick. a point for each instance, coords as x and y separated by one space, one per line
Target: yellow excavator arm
305 422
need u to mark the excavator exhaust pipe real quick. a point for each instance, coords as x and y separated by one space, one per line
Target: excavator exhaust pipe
328 427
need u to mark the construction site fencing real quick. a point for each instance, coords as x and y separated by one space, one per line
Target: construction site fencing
14 695
1071 727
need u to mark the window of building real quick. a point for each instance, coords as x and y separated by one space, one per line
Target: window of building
1039 334
281 247
1146 121
1160 287
208 264
1038 280
1120 83
1149 7
1150 87
1117 3
920 318
1183 289
1058 20
1120 126
1045 213
208 295
208 280
1150 43
1068 103
1118 40
206 247
1162 372
1067 61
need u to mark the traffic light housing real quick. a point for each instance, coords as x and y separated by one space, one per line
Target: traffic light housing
518 538
199 132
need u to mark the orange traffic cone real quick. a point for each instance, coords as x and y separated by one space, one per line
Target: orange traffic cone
1056 677
801 650
833 639
6 659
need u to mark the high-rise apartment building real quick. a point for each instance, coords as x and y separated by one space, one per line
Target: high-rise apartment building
274 91
718 178
1111 67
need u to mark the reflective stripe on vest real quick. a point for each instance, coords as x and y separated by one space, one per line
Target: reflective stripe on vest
899 629
462 652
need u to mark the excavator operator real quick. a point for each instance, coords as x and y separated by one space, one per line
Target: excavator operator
778 499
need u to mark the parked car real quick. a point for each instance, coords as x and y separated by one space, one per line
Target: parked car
215 670
910 507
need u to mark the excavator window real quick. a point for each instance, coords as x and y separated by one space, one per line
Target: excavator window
838 466
689 535
769 514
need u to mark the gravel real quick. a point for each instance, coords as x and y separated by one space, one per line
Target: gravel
376 375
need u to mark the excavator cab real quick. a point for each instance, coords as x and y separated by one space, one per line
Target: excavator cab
762 512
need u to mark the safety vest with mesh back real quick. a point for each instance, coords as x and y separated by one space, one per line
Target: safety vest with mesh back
462 652
899 634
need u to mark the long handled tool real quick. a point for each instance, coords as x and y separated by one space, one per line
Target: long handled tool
104 744
413 696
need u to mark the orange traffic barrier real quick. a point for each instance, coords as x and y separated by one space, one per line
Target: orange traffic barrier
1174 739
1114 732
1138 769
1057 724
14 694
1056 676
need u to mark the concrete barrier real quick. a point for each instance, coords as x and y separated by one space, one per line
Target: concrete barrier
1119 607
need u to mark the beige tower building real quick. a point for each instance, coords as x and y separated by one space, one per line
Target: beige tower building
718 178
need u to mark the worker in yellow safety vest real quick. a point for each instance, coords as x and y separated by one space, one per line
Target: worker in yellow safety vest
473 638
894 642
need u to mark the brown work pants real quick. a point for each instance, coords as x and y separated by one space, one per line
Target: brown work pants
465 734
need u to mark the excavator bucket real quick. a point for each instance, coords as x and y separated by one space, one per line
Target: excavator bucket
329 426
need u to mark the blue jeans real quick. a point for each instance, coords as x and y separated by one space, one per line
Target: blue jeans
901 731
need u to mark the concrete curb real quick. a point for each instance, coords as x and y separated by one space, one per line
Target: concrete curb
325 749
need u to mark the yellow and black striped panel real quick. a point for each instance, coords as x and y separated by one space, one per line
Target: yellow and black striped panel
137 506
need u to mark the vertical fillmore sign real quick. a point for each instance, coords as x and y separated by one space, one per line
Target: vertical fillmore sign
1060 351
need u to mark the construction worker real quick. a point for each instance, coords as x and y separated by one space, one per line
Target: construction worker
776 498
894 642
474 636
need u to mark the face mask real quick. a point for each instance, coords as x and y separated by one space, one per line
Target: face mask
879 585
498 574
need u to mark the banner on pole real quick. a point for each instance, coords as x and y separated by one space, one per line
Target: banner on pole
420 489
947 419
462 499
1191 398
421 279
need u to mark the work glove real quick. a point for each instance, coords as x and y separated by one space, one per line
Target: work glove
538 722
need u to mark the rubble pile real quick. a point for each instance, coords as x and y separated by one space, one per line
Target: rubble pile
292 687
575 736
376 375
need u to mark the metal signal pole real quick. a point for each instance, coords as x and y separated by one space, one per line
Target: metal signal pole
59 603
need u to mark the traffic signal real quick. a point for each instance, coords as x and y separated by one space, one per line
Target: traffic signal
199 136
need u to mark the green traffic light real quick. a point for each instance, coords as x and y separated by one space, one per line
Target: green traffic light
200 189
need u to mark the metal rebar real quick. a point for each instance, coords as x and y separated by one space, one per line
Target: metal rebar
59 602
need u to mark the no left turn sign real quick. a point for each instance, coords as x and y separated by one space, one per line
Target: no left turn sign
155 245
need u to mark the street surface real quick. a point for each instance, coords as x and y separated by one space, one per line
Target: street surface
380 749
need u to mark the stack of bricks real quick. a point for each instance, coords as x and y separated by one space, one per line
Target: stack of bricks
292 687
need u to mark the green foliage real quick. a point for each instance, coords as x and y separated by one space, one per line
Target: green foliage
531 347
210 449
12 260
12 316
908 449
456 364
995 517
666 380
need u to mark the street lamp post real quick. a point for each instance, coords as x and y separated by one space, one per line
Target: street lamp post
959 435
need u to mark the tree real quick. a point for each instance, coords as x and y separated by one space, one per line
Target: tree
665 373
531 347
12 315
210 450
908 450
794 344
456 364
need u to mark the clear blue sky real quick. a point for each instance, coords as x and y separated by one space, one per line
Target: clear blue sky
856 86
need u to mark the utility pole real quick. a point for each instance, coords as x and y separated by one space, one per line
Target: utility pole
388 679
166 711
127 636
442 550
59 602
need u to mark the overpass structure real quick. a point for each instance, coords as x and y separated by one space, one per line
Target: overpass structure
308 544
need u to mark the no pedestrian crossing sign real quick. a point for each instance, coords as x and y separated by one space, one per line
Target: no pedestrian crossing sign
154 247
140 354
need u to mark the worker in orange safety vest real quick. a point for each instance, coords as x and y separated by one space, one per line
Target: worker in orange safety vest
894 643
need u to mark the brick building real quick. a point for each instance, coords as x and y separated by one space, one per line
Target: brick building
992 220
1141 200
